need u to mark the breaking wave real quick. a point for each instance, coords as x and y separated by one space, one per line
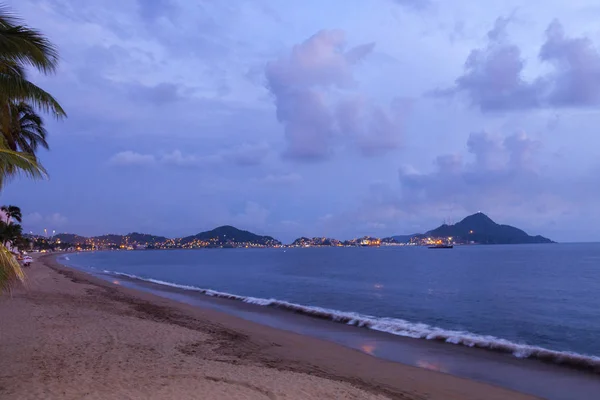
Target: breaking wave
404 328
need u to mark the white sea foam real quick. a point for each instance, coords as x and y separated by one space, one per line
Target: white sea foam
402 327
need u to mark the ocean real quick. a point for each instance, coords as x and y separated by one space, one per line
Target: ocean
532 301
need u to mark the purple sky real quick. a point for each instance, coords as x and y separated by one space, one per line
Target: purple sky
319 118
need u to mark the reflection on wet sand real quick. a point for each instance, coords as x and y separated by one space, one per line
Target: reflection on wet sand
116 282
432 366
368 348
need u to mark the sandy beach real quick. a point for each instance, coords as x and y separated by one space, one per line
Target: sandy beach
70 335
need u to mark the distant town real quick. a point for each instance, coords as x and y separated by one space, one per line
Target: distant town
474 229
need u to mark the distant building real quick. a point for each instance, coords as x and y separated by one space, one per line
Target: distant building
371 242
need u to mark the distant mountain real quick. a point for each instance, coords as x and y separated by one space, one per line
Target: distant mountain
316 241
70 238
480 228
146 238
477 228
229 236
399 238
112 239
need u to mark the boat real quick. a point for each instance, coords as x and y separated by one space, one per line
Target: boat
441 246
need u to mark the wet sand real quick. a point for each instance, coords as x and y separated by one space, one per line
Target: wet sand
69 335
547 380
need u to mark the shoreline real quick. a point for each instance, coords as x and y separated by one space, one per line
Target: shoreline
576 361
549 380
62 307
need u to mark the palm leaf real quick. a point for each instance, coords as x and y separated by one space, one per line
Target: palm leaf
13 163
10 270
24 45
24 130
17 87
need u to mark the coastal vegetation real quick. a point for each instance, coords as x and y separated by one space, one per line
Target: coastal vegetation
22 129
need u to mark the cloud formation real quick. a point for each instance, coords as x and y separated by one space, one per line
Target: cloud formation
243 155
36 219
493 76
193 88
253 215
501 172
280 179
373 129
414 4
501 175
131 158
575 80
310 87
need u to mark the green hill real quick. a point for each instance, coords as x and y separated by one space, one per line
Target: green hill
112 239
70 238
480 228
227 235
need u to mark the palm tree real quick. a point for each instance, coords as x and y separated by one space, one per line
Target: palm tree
25 131
22 129
10 270
12 212
21 46
13 163
10 233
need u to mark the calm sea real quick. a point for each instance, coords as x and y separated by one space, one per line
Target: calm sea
538 301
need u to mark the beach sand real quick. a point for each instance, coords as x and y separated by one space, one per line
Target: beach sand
69 335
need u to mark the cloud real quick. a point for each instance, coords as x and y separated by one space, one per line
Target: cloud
254 215
56 219
501 172
414 4
38 221
280 179
160 94
152 10
131 158
575 80
310 87
178 159
492 80
299 83
33 218
247 154
374 129
493 77
242 155
502 175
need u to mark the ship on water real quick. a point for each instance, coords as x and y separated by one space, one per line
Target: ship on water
441 246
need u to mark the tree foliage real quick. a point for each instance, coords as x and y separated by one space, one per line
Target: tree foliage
22 130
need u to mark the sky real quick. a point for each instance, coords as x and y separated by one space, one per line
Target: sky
338 118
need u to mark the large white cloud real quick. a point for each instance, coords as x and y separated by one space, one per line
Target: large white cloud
320 106
494 79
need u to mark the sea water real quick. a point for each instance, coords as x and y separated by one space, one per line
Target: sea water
532 301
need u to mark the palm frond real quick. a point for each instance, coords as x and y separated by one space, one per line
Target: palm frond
25 45
19 88
10 270
13 163
27 131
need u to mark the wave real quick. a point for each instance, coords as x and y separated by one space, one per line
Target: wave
402 327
